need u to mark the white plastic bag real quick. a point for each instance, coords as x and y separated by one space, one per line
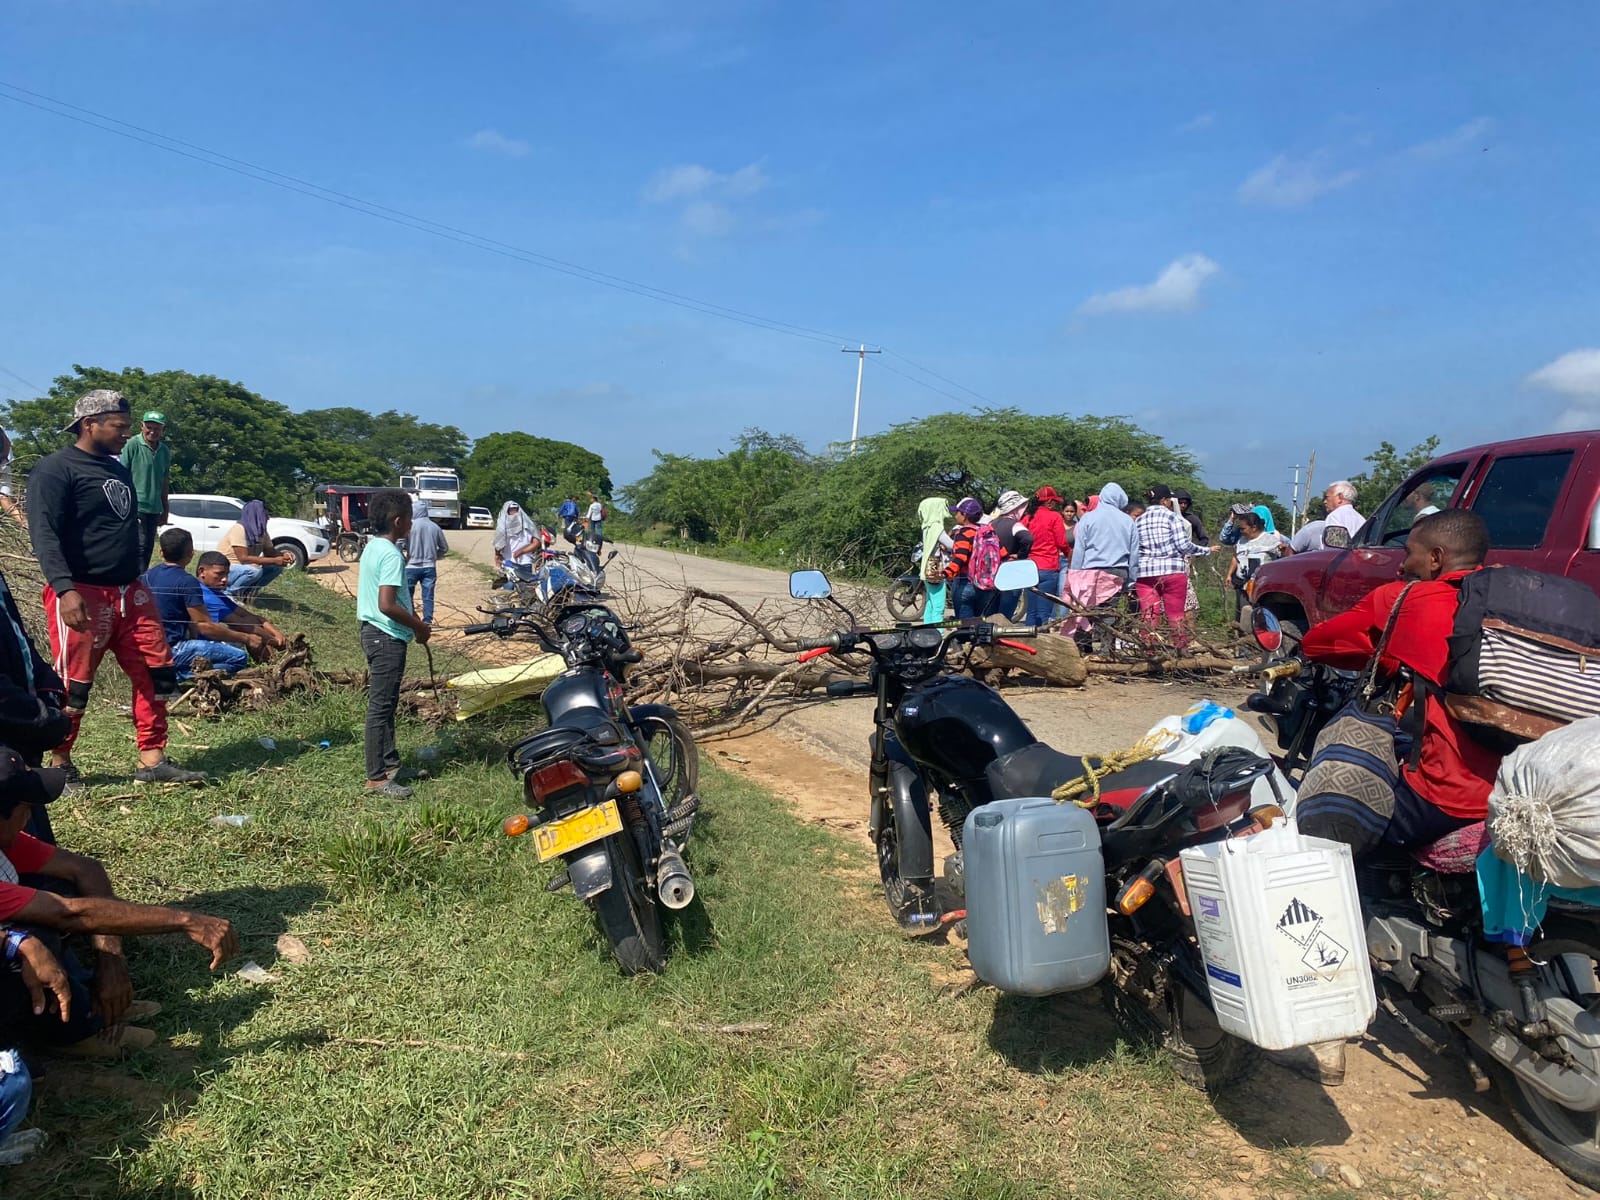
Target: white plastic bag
1544 811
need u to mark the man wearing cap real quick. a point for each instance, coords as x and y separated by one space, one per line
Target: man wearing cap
81 515
48 893
149 460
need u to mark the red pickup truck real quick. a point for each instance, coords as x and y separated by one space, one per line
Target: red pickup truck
1538 496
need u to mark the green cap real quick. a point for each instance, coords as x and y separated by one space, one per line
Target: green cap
153 415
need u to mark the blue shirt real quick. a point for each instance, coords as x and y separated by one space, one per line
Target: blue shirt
175 592
218 607
569 510
382 566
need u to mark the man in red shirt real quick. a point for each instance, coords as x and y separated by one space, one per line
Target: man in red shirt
88 906
1444 777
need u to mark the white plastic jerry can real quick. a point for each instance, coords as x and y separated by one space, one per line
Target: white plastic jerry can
1280 931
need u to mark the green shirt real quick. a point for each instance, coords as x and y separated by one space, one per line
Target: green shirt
149 470
382 565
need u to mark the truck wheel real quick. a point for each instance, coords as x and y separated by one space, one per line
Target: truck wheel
294 548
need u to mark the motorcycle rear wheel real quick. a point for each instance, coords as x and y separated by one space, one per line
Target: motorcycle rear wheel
906 601
1570 1140
675 760
627 914
1183 1025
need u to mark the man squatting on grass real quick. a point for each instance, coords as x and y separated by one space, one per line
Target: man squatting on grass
85 528
200 620
388 626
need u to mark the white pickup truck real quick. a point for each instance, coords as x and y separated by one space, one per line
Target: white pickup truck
207 518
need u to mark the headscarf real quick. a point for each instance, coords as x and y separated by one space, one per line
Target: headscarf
931 515
254 520
1265 513
513 530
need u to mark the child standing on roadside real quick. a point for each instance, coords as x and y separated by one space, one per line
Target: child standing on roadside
388 626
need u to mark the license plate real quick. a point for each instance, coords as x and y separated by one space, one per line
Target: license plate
581 828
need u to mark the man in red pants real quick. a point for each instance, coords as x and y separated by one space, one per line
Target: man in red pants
84 522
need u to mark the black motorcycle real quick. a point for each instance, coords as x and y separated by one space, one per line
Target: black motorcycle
942 740
1526 1017
612 787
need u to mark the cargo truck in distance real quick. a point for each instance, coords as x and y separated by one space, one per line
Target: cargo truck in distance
441 488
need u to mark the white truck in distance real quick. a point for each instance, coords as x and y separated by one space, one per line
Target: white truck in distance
441 488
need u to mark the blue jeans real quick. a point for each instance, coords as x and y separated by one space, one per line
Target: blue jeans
973 601
427 577
596 530
250 577
16 1092
1040 609
224 656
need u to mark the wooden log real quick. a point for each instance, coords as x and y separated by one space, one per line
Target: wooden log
1162 667
1056 659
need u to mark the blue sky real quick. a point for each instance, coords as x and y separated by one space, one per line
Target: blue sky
1258 229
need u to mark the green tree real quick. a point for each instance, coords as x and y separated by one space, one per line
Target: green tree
1388 470
534 471
398 440
732 498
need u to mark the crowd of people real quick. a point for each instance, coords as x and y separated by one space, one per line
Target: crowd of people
1093 553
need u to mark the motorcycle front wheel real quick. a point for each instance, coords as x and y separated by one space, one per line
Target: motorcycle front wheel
627 914
1570 1140
906 601
1154 1008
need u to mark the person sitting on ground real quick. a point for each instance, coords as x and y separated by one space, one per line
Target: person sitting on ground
32 697
259 637
254 561
425 545
17 1145
181 598
48 893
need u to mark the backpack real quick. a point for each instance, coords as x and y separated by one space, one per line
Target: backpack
1524 655
986 556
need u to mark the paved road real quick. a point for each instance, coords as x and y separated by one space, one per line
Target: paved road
659 569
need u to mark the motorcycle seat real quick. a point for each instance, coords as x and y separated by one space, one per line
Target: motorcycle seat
1037 770
587 734
1456 853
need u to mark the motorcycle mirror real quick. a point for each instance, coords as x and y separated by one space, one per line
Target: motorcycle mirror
1335 537
1017 574
809 585
1269 633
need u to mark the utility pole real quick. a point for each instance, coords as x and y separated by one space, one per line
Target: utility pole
861 366
1294 508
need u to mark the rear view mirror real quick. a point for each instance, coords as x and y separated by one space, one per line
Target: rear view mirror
809 585
1269 633
1335 537
1017 574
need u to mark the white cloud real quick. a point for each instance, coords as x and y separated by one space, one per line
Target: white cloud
1291 183
1198 122
1468 136
1176 289
708 197
1576 375
492 141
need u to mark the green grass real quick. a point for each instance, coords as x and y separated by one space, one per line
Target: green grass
543 1073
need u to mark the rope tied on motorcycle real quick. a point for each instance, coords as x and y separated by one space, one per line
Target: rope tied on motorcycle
1101 766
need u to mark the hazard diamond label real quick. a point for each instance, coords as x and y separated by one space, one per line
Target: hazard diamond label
1324 955
1299 922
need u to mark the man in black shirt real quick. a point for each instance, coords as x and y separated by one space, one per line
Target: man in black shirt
81 515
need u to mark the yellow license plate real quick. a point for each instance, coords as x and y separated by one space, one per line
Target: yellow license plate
581 828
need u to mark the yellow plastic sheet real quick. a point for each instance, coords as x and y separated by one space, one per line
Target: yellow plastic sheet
494 686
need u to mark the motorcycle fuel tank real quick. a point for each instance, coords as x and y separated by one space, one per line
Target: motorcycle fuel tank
575 689
957 725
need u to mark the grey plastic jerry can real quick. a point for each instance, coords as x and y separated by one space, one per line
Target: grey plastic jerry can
1036 896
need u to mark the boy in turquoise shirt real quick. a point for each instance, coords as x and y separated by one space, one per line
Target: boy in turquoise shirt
388 626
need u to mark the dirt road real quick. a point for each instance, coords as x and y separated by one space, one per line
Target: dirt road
1404 1124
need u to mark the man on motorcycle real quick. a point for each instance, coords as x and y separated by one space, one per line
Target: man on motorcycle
1397 768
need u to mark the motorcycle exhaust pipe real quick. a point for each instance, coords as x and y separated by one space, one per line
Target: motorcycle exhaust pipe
674 884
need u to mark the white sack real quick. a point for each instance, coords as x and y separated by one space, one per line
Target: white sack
1544 811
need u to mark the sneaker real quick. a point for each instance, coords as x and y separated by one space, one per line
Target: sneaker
389 790
103 1045
75 785
21 1146
167 771
143 1010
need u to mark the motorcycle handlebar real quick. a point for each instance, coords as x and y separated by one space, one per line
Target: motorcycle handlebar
818 652
487 627
831 642
841 689
631 656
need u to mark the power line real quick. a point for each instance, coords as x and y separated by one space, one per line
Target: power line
315 191
4 370
930 371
